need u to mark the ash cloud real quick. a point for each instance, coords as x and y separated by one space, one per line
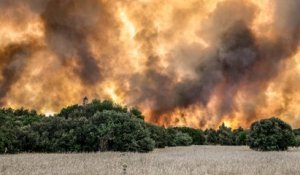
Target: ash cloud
69 26
238 61
101 42
13 59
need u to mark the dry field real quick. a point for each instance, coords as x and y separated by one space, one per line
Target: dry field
198 160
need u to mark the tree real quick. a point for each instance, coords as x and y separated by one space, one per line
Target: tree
137 113
270 134
211 136
225 135
182 139
177 138
196 134
127 133
297 141
158 134
240 136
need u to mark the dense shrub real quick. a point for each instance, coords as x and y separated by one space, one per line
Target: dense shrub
297 137
240 136
126 133
11 126
100 125
225 135
211 136
297 141
296 131
106 126
270 135
2 142
158 134
196 134
182 139
177 138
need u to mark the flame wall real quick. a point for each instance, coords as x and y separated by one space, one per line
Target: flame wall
194 62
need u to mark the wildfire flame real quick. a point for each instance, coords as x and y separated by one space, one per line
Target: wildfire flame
183 63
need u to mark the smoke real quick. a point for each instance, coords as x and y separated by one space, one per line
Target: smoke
194 63
12 61
68 25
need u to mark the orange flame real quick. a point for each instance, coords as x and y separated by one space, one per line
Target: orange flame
132 42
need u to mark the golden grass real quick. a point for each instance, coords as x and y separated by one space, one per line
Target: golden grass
193 160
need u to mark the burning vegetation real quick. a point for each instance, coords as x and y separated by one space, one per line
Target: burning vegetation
194 63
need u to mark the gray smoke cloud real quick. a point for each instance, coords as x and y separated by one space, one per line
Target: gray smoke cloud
238 61
68 26
13 59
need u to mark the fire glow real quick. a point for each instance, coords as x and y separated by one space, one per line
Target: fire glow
183 63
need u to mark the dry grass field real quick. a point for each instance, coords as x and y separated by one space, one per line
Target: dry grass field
193 160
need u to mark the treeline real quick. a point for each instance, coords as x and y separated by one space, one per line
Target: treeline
105 126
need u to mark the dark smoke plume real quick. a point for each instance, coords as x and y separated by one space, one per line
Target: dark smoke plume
69 24
162 57
13 59
238 62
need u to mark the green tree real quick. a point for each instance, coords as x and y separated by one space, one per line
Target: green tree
225 135
177 138
158 134
128 134
240 136
211 136
270 134
196 134
137 113
297 141
182 139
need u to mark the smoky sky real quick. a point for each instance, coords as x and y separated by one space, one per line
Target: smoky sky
13 59
67 28
236 61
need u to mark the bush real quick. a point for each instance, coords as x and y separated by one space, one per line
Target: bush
182 139
128 134
196 134
177 138
211 136
225 135
297 141
240 136
2 144
158 134
296 131
270 135
100 125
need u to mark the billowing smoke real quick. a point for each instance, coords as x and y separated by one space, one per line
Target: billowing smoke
13 60
68 25
195 63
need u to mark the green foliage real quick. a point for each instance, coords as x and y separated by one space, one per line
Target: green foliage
177 138
106 126
97 126
196 134
297 137
270 135
296 131
240 136
182 139
2 142
225 135
158 134
297 141
211 136
11 125
137 113
90 109
127 133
